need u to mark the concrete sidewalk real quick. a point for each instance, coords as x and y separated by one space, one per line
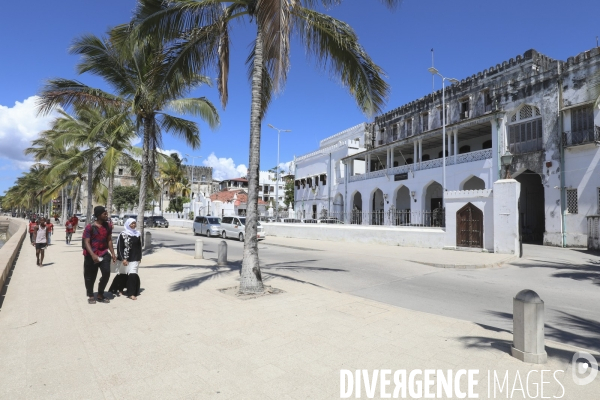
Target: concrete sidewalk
183 338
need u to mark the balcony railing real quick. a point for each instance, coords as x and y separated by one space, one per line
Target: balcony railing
591 135
437 163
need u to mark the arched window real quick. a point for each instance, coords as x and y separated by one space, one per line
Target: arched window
525 130
426 157
487 144
409 160
464 149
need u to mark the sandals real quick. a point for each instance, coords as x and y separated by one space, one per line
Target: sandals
103 300
91 300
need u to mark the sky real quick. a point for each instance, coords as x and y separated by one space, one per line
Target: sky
467 36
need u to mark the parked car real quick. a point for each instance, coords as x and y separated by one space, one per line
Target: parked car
114 219
330 221
210 226
290 220
126 217
234 227
309 221
156 221
81 223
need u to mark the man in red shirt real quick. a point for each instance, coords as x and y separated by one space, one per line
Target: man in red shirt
97 243
75 221
50 230
69 231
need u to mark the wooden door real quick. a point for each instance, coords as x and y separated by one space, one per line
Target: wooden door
469 227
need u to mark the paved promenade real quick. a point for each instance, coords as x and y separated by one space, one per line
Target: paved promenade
184 339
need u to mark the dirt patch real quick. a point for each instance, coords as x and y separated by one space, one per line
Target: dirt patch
234 292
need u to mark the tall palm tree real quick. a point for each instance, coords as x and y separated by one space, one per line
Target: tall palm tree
147 84
198 31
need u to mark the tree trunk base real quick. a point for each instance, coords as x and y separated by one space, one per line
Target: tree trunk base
247 295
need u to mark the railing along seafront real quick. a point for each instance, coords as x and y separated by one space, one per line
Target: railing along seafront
423 165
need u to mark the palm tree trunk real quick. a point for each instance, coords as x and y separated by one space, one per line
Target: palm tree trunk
148 126
76 199
251 279
90 188
109 198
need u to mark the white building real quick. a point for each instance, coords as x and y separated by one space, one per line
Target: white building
542 110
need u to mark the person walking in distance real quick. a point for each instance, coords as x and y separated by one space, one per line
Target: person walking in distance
32 225
75 221
68 231
97 243
50 228
41 241
129 253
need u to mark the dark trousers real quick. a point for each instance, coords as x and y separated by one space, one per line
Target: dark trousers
90 272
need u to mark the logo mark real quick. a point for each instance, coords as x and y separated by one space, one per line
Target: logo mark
581 368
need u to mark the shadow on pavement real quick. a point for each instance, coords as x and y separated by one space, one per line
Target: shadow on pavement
590 271
216 271
590 341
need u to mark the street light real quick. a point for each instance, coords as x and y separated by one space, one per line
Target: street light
434 72
277 170
507 160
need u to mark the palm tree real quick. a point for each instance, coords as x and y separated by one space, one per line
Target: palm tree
147 84
198 31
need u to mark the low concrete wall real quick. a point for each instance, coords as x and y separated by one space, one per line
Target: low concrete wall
392 235
181 223
17 230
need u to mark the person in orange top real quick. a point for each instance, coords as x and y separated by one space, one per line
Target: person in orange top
69 230
50 229
32 225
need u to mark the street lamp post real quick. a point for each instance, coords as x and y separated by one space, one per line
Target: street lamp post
277 171
434 72
192 185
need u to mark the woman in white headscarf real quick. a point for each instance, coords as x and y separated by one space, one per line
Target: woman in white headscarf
129 253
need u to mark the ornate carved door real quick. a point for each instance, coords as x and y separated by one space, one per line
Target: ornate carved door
469 227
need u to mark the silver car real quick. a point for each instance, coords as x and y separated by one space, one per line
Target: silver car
234 227
209 226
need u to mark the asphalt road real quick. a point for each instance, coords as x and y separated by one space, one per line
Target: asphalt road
567 280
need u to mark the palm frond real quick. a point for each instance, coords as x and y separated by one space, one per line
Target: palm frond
198 107
183 128
66 93
335 46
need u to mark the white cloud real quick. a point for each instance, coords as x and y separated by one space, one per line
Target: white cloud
224 168
135 141
19 126
169 152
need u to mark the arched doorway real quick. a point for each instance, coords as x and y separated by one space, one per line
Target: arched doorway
402 204
469 227
338 207
356 217
473 183
532 220
377 205
434 211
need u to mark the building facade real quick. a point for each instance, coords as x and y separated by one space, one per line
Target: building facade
536 108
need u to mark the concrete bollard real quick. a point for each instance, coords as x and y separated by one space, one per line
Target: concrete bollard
199 249
528 328
148 240
222 260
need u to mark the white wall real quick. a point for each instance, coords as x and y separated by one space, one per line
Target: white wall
393 236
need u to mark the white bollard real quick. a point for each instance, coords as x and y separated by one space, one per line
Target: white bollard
199 249
528 328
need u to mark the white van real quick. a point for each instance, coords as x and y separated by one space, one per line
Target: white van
235 227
